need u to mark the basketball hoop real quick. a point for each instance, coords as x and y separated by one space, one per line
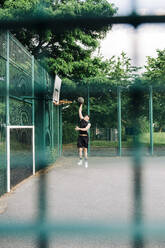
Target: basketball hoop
56 92
62 102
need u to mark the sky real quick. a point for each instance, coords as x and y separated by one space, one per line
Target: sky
149 37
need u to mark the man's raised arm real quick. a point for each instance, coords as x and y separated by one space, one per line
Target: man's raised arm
83 129
80 112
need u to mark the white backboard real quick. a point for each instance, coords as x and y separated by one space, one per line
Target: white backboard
57 87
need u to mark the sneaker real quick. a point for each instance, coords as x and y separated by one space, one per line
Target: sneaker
86 164
80 162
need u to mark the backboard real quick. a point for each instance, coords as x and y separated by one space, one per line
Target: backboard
57 87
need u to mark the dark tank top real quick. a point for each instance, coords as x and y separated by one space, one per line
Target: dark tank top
83 124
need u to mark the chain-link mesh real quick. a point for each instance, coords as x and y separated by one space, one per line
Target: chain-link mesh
3 45
105 132
135 135
24 102
19 56
21 159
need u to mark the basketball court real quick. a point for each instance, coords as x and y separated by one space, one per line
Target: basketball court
117 202
103 194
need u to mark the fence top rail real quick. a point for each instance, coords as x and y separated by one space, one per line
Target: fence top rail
61 24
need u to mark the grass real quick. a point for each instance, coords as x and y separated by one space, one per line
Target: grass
110 144
158 139
103 143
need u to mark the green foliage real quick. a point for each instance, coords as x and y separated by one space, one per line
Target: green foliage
103 143
155 68
103 93
69 133
122 72
144 124
68 54
159 140
158 137
155 76
2 109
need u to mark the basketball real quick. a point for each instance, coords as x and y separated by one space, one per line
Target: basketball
80 100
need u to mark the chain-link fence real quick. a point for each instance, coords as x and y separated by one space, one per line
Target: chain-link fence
25 101
112 127
30 82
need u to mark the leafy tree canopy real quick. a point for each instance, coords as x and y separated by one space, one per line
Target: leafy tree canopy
155 75
116 71
68 54
155 68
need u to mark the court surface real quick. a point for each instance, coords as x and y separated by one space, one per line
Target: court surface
103 192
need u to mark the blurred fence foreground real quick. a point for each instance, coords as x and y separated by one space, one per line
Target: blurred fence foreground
30 138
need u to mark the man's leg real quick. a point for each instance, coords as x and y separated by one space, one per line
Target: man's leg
80 156
86 157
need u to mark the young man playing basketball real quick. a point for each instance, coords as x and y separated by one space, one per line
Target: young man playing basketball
82 143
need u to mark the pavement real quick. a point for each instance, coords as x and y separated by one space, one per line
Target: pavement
103 192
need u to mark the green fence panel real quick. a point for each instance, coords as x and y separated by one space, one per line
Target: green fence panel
19 55
39 88
20 111
56 130
39 134
25 100
3 45
21 158
43 89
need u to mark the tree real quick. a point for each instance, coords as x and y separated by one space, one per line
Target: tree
155 68
103 93
155 76
69 53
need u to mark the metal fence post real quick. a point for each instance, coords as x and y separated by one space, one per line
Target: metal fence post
33 102
44 113
8 112
60 130
119 120
138 237
89 136
151 119
7 81
52 124
33 117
